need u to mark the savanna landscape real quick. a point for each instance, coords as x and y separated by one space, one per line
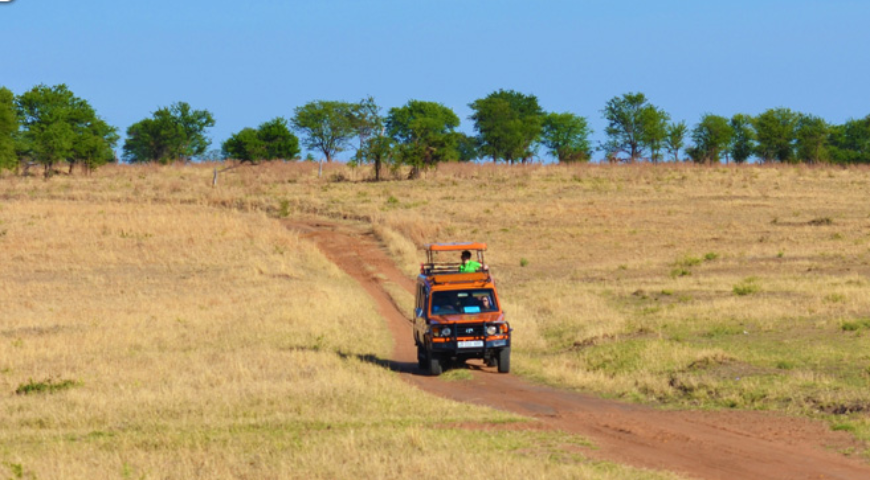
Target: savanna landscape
155 325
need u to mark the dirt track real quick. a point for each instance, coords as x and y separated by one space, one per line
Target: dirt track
709 445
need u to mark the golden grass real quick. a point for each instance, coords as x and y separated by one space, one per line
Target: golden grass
213 343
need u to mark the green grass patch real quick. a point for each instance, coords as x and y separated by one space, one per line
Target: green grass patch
747 286
45 386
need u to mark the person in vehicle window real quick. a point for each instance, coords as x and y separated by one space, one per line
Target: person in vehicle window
485 304
468 265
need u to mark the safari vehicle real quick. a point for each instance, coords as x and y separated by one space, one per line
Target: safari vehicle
458 315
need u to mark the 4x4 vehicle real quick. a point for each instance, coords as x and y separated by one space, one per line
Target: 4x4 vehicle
458 315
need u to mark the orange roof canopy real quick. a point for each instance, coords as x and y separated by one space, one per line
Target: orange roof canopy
454 247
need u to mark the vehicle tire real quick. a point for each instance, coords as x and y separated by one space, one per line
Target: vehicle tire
504 360
434 365
421 357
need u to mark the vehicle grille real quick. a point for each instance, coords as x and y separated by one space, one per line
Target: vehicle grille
466 330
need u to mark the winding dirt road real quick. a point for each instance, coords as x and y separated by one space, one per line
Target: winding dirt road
708 445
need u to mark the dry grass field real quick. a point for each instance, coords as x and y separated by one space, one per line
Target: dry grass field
152 326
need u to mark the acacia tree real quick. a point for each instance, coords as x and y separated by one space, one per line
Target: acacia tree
712 136
326 126
632 124
655 131
567 137
850 142
172 133
424 133
507 123
775 131
675 137
58 126
366 119
8 129
812 135
742 138
272 140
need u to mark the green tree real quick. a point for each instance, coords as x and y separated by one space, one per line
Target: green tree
424 133
567 137
366 119
508 123
58 126
172 133
655 131
812 135
326 126
776 132
8 129
712 136
467 146
244 146
742 138
632 124
675 138
94 146
271 141
279 141
850 142
379 150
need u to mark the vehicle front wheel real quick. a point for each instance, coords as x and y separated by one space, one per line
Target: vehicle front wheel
504 360
434 365
421 357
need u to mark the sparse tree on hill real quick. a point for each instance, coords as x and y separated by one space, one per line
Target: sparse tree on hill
742 138
567 137
424 133
812 139
850 142
58 126
712 136
632 123
173 133
508 124
675 138
271 141
775 131
655 131
8 129
326 126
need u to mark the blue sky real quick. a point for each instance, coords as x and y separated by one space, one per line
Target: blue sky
248 62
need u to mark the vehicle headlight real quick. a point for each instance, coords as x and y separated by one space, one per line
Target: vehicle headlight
445 332
490 330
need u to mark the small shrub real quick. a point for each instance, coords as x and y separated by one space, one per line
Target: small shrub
524 262
710 256
847 326
392 200
746 287
680 272
45 386
784 365
284 209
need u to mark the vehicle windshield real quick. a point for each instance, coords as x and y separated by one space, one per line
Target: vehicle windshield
463 301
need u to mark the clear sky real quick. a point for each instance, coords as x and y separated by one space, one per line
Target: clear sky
248 62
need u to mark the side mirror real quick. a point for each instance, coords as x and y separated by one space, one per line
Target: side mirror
418 312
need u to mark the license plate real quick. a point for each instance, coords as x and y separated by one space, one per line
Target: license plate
470 344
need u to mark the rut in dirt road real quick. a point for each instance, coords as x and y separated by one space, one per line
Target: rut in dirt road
710 445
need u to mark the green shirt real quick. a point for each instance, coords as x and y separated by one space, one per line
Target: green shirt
470 267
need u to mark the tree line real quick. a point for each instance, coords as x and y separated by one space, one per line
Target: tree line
48 125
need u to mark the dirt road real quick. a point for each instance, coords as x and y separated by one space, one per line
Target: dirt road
709 445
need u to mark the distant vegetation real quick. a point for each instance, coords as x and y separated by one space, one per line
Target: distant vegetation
49 126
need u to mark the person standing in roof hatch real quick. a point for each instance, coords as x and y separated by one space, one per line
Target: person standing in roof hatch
468 265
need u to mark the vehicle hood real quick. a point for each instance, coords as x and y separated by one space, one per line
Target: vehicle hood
487 317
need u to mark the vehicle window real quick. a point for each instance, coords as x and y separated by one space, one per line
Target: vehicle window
463 301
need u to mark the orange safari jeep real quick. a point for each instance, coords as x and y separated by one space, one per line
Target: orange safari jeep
458 314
